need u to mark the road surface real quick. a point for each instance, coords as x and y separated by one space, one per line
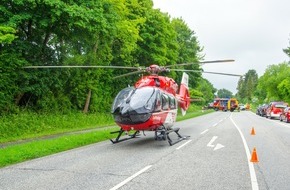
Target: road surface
216 156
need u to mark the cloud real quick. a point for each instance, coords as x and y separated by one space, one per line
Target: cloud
253 32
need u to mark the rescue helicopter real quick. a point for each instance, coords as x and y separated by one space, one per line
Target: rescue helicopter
152 103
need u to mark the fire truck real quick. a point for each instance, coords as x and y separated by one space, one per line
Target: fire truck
225 104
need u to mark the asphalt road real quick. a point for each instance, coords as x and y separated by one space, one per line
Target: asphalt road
216 156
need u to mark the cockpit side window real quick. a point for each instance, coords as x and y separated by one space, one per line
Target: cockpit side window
158 102
172 102
165 102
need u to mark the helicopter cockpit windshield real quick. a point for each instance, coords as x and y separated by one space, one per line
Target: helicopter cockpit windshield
121 97
143 98
140 100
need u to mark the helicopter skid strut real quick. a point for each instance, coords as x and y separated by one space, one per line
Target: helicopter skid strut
160 134
117 140
163 134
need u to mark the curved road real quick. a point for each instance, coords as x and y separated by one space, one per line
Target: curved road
216 156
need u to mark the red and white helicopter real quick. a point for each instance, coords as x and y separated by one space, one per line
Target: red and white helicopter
151 105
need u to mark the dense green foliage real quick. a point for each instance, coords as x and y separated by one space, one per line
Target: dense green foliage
204 93
247 86
224 93
7 35
84 32
275 83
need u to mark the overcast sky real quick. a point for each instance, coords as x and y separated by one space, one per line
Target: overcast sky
252 32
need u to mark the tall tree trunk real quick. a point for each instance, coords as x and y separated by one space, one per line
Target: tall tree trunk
86 108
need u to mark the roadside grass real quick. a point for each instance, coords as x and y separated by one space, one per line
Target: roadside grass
40 131
193 114
39 148
31 125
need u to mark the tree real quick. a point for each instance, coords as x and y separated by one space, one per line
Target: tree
284 89
224 93
241 88
275 82
287 50
59 33
79 32
8 63
158 43
189 50
247 85
207 90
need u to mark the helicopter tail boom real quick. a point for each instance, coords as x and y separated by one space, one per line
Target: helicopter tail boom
183 96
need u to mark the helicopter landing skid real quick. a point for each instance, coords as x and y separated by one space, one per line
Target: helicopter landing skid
164 134
117 140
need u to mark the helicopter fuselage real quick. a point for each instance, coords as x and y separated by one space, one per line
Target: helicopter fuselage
151 105
144 108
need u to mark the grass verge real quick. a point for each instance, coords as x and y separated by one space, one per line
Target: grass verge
193 114
42 147
39 148
31 125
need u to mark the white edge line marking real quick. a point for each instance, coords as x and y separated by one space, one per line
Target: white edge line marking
131 177
254 181
183 144
284 124
215 124
204 132
274 121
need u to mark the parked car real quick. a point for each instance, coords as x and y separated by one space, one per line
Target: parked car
258 110
285 115
242 107
261 110
275 109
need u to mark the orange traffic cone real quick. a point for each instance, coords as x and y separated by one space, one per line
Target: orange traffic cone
253 131
254 156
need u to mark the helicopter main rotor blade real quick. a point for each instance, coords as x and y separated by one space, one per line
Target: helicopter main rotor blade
79 66
128 74
209 72
227 74
202 62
